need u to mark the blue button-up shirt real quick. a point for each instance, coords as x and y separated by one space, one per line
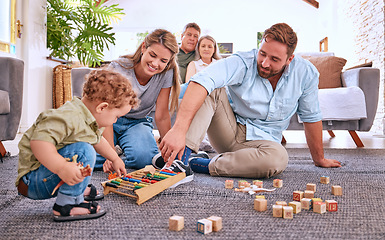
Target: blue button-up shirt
264 111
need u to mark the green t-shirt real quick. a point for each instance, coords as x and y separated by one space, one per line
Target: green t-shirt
183 60
70 123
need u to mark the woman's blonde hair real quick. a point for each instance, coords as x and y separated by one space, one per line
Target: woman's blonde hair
168 40
216 50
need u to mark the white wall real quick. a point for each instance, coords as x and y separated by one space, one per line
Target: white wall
340 30
37 95
225 20
234 21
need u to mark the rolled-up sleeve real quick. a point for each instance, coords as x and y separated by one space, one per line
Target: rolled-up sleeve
308 105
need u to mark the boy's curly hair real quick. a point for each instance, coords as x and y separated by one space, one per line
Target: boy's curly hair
109 86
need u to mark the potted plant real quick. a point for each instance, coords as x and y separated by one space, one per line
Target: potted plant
80 29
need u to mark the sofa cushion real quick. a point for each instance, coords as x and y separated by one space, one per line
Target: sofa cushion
315 54
329 68
368 64
341 104
5 106
345 103
78 79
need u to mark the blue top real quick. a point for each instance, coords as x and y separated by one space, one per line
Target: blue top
266 113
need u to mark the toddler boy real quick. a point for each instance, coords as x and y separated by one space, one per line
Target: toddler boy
74 129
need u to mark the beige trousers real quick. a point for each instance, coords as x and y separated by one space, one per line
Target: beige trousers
237 156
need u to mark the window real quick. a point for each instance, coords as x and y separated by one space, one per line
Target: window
225 48
7 26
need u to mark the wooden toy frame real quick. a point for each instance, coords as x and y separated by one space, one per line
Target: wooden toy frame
142 194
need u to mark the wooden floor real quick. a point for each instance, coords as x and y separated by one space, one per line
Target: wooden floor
342 140
294 139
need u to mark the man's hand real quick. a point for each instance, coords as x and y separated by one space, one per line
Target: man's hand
172 144
313 133
327 163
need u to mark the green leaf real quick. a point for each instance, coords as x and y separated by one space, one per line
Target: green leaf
80 28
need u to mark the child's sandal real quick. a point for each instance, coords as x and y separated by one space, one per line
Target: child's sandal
94 196
66 210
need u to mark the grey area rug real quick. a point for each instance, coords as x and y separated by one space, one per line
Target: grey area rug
360 215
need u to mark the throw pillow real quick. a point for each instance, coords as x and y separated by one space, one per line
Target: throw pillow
369 64
329 68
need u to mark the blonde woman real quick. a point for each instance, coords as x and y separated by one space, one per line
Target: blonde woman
155 78
206 53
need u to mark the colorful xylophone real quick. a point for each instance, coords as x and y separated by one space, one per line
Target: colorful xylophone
142 184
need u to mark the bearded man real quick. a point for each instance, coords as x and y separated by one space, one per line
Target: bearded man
244 102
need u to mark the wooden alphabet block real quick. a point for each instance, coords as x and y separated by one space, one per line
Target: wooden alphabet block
176 223
260 204
287 212
309 194
325 180
282 203
149 169
331 205
204 226
216 223
298 195
319 207
259 196
258 183
306 203
296 206
277 211
229 184
277 183
243 184
311 187
337 190
314 200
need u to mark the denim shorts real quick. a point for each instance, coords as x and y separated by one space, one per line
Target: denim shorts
41 182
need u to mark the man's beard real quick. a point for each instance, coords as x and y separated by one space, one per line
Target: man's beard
270 72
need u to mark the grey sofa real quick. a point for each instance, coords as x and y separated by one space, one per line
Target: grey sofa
368 80
77 80
11 98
